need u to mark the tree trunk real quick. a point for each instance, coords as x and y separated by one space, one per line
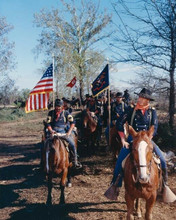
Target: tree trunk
172 99
81 90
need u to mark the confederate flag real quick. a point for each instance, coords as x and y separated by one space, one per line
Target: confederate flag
72 83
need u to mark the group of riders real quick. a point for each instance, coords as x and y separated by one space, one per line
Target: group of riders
141 116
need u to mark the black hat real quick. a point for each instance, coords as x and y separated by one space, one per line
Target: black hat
87 95
58 102
145 93
119 95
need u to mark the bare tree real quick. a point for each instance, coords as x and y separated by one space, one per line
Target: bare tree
6 48
72 33
149 39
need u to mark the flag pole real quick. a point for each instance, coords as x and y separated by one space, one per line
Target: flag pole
53 82
109 109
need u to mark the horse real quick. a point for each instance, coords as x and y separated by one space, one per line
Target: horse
75 103
90 130
141 176
55 160
115 139
115 142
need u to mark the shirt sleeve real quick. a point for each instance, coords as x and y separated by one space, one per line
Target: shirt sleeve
69 118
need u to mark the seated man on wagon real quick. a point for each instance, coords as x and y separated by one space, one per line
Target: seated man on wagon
61 121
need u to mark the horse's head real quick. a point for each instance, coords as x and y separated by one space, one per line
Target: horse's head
52 155
89 120
85 118
142 153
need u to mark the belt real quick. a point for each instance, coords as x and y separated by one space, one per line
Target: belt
59 128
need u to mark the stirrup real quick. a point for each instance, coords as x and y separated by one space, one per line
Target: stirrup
77 165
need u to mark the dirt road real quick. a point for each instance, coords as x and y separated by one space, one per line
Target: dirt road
23 188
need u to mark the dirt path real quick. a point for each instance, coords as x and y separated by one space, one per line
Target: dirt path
23 188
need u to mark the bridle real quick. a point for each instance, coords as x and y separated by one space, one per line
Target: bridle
137 167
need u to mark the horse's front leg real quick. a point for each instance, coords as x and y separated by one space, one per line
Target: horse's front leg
62 185
130 206
149 206
49 198
138 208
69 184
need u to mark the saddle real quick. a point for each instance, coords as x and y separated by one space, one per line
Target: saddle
61 137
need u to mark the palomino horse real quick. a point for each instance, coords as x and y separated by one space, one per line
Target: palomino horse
55 156
141 175
90 131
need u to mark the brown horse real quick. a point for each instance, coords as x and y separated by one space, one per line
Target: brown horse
115 139
90 131
115 142
141 173
55 158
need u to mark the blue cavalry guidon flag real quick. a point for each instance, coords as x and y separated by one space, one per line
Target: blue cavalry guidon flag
101 82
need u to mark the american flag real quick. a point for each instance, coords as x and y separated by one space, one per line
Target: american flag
39 96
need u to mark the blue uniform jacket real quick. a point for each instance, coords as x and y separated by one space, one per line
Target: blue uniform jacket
139 121
64 120
118 108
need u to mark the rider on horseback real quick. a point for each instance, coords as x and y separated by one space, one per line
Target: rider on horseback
118 108
60 121
94 106
140 117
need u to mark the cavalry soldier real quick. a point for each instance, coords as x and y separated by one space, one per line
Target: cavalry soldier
86 101
61 121
117 110
94 105
66 105
126 97
140 117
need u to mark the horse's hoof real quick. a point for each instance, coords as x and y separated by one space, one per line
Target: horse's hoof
139 214
69 184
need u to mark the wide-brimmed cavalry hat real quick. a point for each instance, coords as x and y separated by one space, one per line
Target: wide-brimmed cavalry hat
119 95
87 95
58 102
146 93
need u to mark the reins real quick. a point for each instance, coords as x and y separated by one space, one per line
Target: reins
137 167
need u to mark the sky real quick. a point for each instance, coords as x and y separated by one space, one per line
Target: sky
19 13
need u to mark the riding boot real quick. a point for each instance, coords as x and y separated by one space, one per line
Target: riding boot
167 194
165 176
113 191
75 162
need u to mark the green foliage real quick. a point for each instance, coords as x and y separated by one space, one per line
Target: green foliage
72 32
6 48
15 114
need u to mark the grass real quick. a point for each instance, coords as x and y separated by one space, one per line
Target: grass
18 114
